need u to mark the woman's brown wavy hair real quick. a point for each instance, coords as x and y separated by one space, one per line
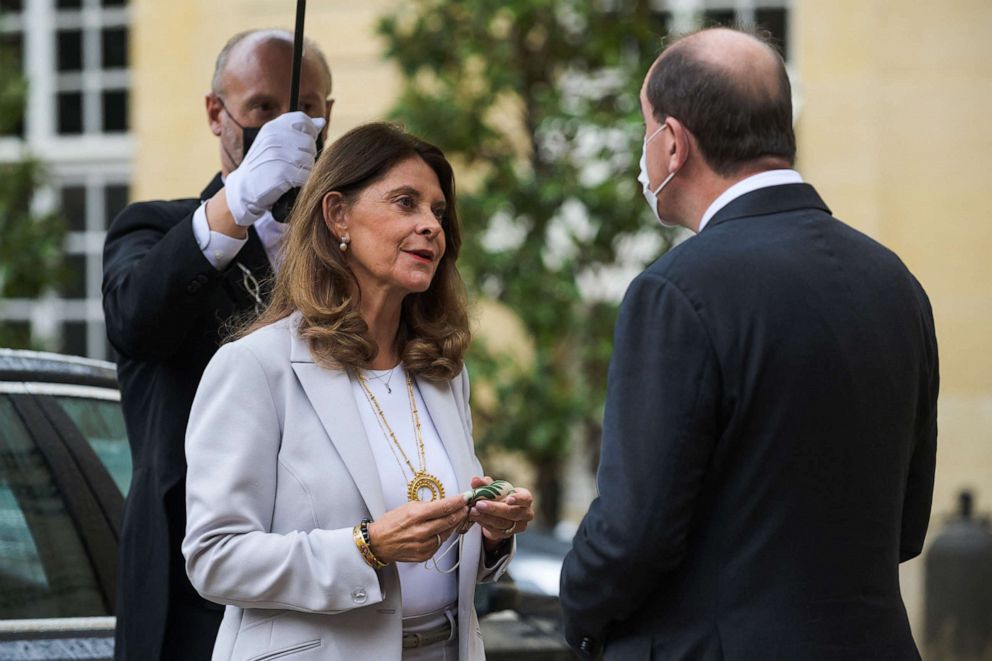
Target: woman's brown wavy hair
315 279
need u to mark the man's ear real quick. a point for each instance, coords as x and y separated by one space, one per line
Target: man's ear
329 105
679 145
335 211
327 113
214 108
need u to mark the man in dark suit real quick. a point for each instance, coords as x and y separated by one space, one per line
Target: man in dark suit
770 429
176 273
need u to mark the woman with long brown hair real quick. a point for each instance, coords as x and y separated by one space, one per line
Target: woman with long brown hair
329 446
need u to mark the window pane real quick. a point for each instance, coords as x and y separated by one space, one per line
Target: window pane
74 207
73 338
11 59
69 46
114 111
70 113
102 423
11 5
775 20
114 48
12 50
663 24
115 198
74 285
69 4
44 570
15 334
713 17
113 3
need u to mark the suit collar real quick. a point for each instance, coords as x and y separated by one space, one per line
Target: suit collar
215 185
767 201
330 393
253 256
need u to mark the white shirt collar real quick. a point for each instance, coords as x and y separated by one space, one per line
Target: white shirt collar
752 183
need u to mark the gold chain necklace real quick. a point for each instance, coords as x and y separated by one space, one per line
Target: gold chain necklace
421 478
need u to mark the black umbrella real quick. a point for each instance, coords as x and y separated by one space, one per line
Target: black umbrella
284 205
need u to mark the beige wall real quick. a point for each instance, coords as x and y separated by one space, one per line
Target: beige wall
173 47
894 132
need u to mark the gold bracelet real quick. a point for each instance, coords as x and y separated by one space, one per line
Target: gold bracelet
365 549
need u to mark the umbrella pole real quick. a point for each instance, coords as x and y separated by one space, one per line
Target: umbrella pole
294 90
284 205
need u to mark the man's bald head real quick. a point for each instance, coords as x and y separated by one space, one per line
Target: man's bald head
731 90
242 44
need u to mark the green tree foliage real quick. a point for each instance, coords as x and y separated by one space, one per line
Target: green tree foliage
536 103
30 243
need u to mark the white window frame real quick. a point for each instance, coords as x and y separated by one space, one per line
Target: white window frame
92 159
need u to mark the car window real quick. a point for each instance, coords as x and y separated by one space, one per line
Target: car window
102 423
44 570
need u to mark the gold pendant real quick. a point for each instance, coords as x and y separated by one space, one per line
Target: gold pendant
424 480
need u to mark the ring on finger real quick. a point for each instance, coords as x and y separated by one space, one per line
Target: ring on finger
438 541
511 529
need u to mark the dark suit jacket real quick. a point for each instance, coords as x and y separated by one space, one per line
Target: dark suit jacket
166 309
768 447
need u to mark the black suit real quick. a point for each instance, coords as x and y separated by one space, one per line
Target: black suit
166 309
768 447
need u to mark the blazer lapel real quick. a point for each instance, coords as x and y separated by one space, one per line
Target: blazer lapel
329 392
447 420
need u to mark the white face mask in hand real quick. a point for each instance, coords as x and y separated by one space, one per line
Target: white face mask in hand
652 195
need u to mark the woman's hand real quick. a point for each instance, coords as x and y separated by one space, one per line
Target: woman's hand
414 532
501 519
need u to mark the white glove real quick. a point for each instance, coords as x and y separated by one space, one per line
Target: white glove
280 158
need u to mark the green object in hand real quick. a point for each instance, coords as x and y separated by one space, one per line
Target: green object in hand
498 490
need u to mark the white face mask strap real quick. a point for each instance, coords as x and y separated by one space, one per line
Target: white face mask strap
436 557
664 183
669 177
651 137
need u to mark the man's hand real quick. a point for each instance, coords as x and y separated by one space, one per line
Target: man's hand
280 158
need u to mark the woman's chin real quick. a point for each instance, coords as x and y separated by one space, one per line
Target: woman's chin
417 286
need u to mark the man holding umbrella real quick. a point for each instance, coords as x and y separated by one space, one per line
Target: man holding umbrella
175 274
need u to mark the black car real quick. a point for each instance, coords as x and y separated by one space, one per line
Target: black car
65 466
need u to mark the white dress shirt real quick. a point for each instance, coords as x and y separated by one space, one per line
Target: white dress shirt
220 249
424 589
752 183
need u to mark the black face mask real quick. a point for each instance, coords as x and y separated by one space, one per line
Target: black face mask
249 133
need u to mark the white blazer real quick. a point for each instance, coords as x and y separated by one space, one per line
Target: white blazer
280 470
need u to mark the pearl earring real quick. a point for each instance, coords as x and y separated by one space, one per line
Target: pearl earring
344 244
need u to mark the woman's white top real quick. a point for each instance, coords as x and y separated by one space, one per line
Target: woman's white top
424 590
